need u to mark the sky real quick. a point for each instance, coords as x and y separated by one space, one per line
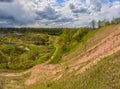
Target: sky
56 13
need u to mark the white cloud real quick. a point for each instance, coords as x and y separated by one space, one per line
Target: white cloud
50 13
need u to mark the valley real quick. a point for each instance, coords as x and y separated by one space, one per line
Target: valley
44 61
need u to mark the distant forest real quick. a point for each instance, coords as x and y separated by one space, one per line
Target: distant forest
57 31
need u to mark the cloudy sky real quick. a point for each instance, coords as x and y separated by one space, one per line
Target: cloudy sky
56 13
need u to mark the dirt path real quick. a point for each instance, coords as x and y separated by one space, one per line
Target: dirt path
108 46
57 48
44 72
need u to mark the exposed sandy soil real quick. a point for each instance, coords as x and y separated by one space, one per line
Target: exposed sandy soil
44 72
108 46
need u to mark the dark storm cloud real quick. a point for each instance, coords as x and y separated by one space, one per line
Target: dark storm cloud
96 5
15 14
6 0
64 19
7 18
48 13
79 9
72 6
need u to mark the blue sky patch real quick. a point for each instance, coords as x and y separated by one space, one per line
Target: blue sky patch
60 1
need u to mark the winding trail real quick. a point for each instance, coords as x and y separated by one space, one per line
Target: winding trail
45 71
57 48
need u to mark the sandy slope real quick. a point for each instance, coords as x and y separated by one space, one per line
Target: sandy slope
108 46
44 72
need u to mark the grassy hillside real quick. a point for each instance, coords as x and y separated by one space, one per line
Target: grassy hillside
89 40
105 75
20 52
67 42
29 49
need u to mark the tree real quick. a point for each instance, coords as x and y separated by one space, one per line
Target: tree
116 21
99 24
107 23
93 23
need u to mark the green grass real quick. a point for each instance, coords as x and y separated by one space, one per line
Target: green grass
75 45
13 82
67 42
104 75
21 52
18 53
87 41
89 35
56 56
20 58
70 44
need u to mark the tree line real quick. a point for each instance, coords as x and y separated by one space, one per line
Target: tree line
50 31
100 23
